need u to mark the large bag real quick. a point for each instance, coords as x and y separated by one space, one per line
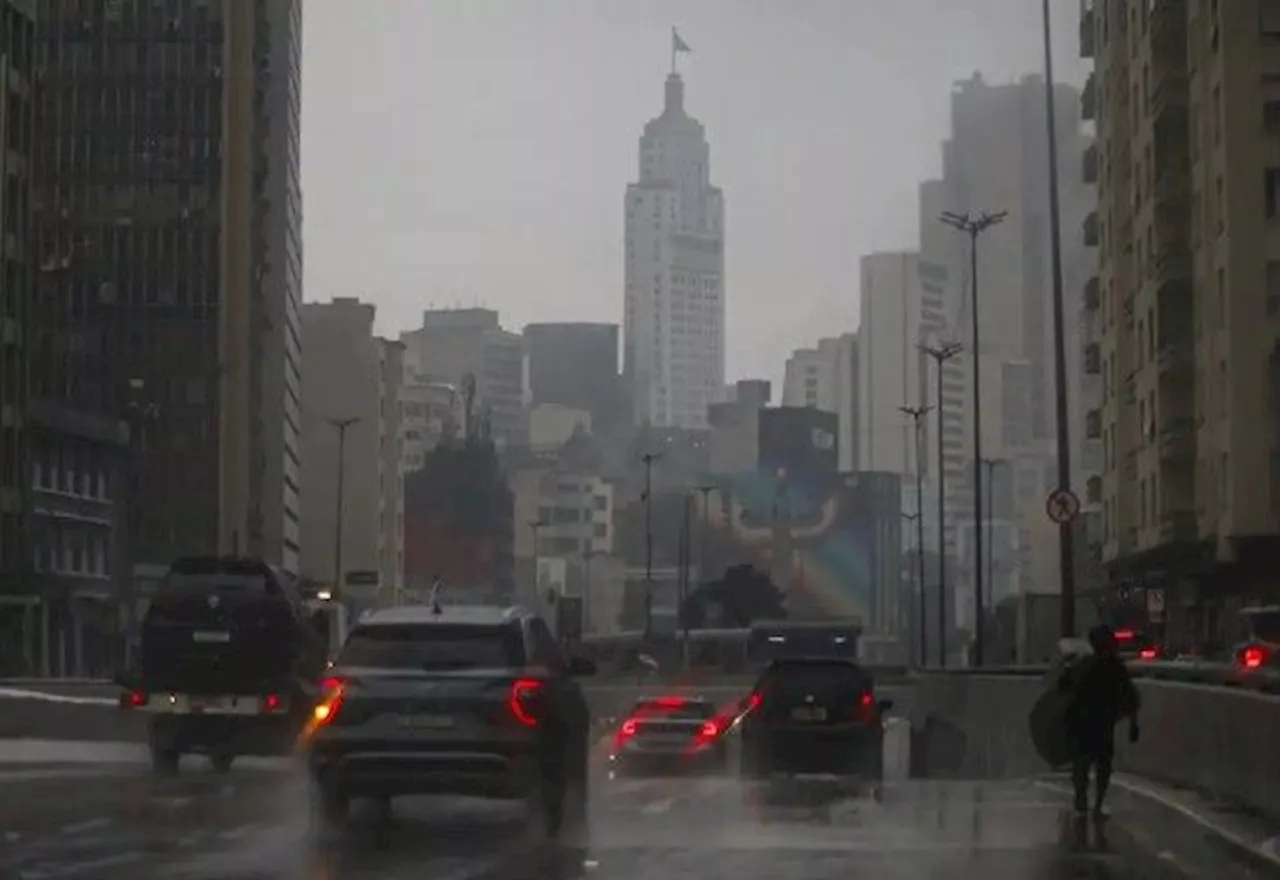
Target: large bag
1048 718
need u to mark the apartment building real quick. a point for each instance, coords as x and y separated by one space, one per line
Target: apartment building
1188 300
825 377
351 421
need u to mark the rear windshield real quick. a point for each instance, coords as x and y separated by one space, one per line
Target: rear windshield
433 646
692 709
793 678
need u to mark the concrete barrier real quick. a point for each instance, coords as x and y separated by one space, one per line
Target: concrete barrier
1220 741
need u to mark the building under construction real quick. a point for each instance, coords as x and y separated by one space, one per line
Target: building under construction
458 509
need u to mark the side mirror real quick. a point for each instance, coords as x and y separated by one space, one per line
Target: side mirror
884 705
581 666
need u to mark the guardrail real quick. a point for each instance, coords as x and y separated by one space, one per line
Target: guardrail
1207 673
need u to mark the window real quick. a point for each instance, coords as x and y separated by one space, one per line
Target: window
433 646
1273 287
1271 191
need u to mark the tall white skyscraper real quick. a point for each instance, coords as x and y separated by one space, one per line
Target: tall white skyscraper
673 328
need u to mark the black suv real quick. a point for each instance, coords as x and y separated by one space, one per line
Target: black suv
814 717
471 701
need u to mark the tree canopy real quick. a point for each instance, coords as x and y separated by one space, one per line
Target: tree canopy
743 594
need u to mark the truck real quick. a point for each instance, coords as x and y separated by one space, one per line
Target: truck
231 653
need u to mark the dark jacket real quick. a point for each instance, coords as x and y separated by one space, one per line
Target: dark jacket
1102 693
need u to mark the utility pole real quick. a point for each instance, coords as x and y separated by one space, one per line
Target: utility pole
648 458
917 414
973 225
941 354
990 464
1066 531
339 587
686 560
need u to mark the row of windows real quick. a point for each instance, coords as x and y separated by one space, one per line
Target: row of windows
72 550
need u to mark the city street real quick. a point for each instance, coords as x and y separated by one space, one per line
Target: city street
98 813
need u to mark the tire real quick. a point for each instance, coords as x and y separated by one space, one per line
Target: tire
328 806
164 761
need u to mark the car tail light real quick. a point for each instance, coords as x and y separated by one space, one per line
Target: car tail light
669 702
523 700
753 701
272 703
626 730
1124 635
134 699
1147 654
332 692
1251 656
866 707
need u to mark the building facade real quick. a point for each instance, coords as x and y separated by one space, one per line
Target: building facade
1187 296
674 299
351 420
576 365
467 348
169 265
888 361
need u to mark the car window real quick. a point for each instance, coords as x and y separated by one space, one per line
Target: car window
432 647
796 679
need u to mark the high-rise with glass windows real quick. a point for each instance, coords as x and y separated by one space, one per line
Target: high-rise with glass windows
167 222
673 327
1186 95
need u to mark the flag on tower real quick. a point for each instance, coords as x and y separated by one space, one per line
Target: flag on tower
677 44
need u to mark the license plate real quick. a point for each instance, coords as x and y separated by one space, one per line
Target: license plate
427 722
809 713
207 637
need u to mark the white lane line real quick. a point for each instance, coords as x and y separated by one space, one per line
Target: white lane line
655 807
86 826
8 693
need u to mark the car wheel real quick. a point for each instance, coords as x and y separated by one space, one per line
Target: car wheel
221 761
329 807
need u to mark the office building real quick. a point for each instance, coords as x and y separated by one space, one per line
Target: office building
167 216
575 365
674 315
1187 296
469 350
888 361
351 420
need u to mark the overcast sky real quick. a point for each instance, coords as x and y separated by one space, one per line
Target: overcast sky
477 151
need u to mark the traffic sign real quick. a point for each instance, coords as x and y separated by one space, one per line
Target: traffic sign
1062 505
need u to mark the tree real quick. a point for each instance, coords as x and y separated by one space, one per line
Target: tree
744 594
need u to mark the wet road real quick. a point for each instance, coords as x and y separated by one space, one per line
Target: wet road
106 821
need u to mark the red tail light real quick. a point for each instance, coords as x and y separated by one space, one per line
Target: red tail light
1252 656
329 684
866 707
522 702
332 692
626 730
669 702
134 700
1124 635
271 703
1147 654
753 701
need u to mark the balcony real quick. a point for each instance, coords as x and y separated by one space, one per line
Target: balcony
1089 164
1090 229
1089 99
1178 441
1178 526
1088 29
1093 294
1093 424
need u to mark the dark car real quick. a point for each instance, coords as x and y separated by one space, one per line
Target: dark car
468 701
229 659
814 717
670 734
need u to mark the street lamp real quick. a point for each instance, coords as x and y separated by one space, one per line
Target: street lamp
1066 534
941 354
340 425
991 464
974 225
648 459
917 414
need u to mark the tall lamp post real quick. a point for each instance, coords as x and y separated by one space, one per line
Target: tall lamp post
340 425
648 459
1066 533
974 225
991 464
917 414
941 354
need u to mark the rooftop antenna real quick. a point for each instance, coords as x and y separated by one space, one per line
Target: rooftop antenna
435 596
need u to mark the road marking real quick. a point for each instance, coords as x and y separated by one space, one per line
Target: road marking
86 826
655 807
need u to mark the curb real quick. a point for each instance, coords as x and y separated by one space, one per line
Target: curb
1264 857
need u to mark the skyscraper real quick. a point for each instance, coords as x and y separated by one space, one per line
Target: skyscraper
673 328
167 216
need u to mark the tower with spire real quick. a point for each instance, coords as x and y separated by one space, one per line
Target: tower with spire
674 302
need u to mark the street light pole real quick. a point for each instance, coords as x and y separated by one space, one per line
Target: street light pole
341 425
704 552
917 414
648 458
990 464
941 354
1066 532
973 225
